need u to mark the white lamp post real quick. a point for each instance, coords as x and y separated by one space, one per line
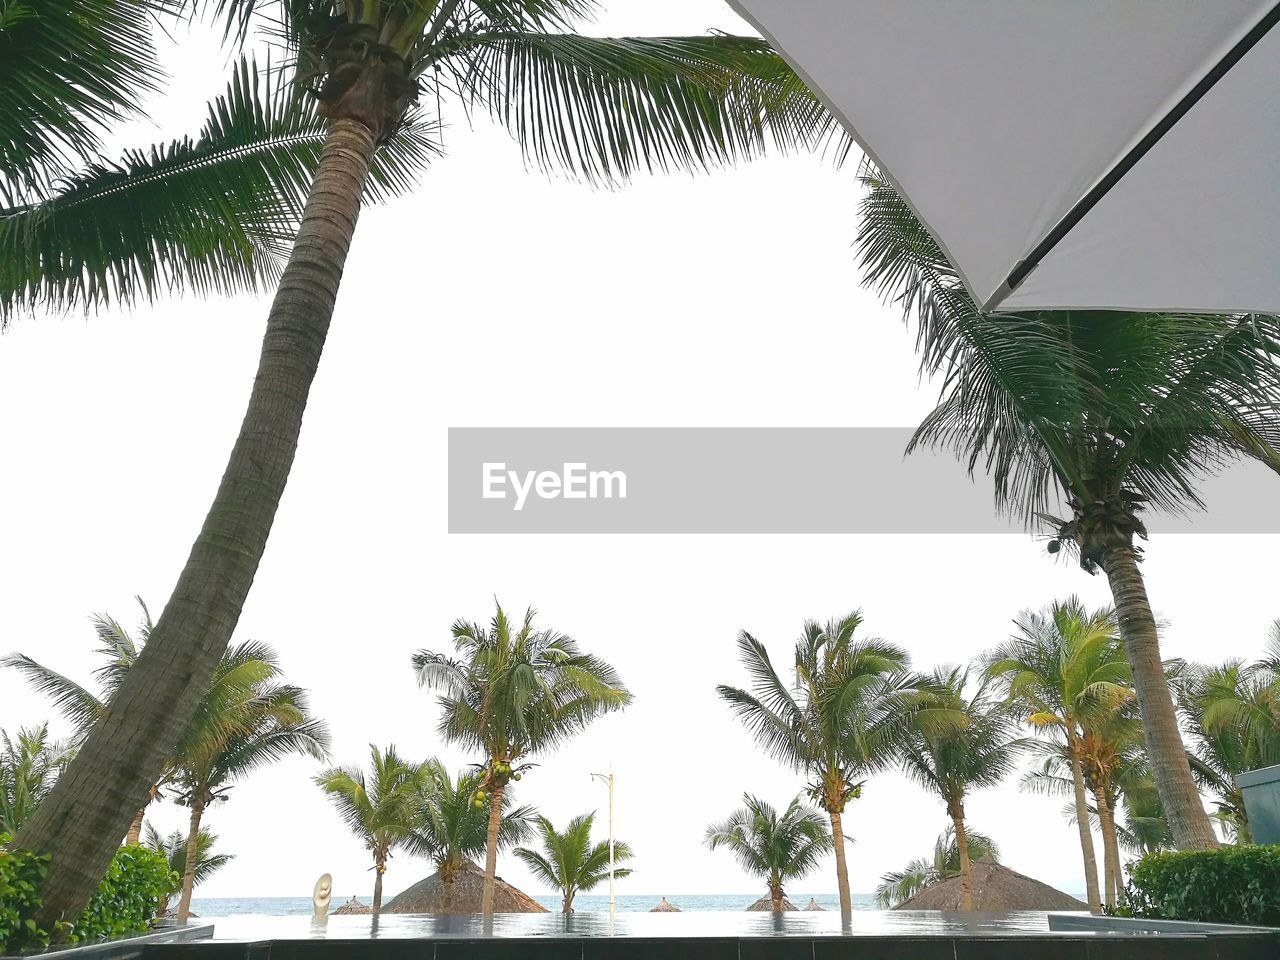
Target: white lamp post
608 780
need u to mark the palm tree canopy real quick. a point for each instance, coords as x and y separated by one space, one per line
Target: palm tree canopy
962 740
1063 665
843 713
214 213
249 719
174 848
899 886
772 846
1112 411
378 808
514 690
29 767
449 828
569 862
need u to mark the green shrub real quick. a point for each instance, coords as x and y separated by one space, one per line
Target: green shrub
125 902
1227 885
21 873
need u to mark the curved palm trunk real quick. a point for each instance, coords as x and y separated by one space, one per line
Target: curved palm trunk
776 895
1086 835
842 867
1183 808
81 821
966 866
1110 847
192 855
566 905
491 851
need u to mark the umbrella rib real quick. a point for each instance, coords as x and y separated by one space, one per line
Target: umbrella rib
1130 159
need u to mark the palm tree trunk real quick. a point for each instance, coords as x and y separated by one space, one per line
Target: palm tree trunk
1110 847
135 828
79 824
1183 807
842 867
966 867
1086 835
193 854
491 851
379 868
775 894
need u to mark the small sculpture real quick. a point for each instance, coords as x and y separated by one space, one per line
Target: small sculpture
320 896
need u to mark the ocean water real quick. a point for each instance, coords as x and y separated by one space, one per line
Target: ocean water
584 903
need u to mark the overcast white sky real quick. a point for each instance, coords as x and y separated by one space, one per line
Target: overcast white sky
495 297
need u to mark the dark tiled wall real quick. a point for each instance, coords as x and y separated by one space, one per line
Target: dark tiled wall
1217 947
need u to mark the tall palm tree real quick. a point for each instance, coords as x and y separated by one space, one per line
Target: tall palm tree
257 720
1110 412
971 748
900 886
598 108
1233 711
29 766
838 721
777 848
1061 667
174 848
569 862
513 692
451 828
379 808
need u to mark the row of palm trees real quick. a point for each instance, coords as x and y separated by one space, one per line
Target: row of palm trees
853 707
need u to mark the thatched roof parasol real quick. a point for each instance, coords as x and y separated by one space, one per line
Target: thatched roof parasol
353 906
995 889
665 907
766 903
431 896
814 905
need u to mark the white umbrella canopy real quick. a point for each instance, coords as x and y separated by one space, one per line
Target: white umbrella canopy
1066 154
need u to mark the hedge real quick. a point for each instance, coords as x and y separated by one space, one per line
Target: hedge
124 903
1226 885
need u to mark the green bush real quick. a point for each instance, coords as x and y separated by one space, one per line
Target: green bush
1227 885
125 901
21 873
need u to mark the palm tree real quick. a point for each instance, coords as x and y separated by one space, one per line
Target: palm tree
776 848
174 848
837 723
259 720
1233 711
451 828
569 862
379 809
1110 412
514 692
976 749
29 767
600 109
1063 667
234 683
898 887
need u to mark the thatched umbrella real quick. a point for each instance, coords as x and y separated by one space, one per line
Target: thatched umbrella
814 905
665 907
432 896
996 889
353 906
766 903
